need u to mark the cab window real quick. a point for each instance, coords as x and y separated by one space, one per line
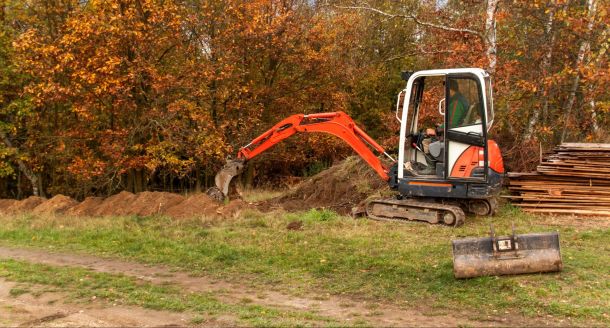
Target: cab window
464 102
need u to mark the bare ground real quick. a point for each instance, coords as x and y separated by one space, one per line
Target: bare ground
49 310
27 310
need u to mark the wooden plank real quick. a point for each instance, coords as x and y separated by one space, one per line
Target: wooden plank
565 206
593 201
591 171
582 145
580 174
563 211
573 179
563 189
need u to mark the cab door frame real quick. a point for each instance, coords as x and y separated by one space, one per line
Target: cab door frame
471 139
406 127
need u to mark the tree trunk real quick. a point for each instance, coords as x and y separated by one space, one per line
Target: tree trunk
546 65
590 96
490 35
2 11
585 45
19 191
29 174
198 186
139 181
40 188
130 179
594 117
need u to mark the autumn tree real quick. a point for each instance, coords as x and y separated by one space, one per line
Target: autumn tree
101 96
117 86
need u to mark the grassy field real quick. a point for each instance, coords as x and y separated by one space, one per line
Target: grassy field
387 262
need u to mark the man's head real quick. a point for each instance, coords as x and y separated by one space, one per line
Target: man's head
453 86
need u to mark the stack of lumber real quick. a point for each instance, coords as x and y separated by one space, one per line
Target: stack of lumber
573 179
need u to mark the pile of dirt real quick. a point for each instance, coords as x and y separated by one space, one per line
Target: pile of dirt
26 205
5 204
340 188
119 204
151 203
126 203
87 207
203 205
57 204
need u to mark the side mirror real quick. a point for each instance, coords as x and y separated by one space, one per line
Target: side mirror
441 109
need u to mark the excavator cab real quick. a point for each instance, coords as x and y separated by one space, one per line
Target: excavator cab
458 163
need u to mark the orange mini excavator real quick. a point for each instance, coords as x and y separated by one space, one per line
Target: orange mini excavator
438 175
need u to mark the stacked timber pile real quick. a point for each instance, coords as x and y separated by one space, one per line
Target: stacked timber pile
573 179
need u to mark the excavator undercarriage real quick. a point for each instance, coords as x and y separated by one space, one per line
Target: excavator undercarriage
414 210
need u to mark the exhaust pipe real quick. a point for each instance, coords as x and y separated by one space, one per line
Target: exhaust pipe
506 255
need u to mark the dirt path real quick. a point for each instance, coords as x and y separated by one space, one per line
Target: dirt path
343 309
48 310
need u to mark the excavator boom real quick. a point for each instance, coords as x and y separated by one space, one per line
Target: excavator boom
336 123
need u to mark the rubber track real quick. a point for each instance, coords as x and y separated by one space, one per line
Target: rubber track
460 217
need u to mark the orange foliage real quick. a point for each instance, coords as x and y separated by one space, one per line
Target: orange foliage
104 95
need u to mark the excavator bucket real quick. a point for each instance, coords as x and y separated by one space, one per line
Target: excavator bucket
516 254
223 179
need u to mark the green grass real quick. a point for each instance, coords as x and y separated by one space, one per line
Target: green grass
83 284
16 291
391 262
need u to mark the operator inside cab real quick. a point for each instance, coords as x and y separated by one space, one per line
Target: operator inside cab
432 139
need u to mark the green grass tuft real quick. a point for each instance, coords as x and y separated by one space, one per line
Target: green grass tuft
17 291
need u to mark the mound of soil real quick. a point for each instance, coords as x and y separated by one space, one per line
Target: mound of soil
194 205
25 205
5 204
201 205
198 204
57 204
150 203
340 188
119 204
126 203
87 207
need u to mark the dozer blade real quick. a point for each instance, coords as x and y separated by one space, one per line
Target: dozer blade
516 254
223 179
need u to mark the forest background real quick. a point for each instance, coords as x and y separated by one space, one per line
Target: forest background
98 96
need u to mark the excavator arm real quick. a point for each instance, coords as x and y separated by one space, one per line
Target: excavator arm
336 123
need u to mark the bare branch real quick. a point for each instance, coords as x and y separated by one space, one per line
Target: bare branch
418 52
416 19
